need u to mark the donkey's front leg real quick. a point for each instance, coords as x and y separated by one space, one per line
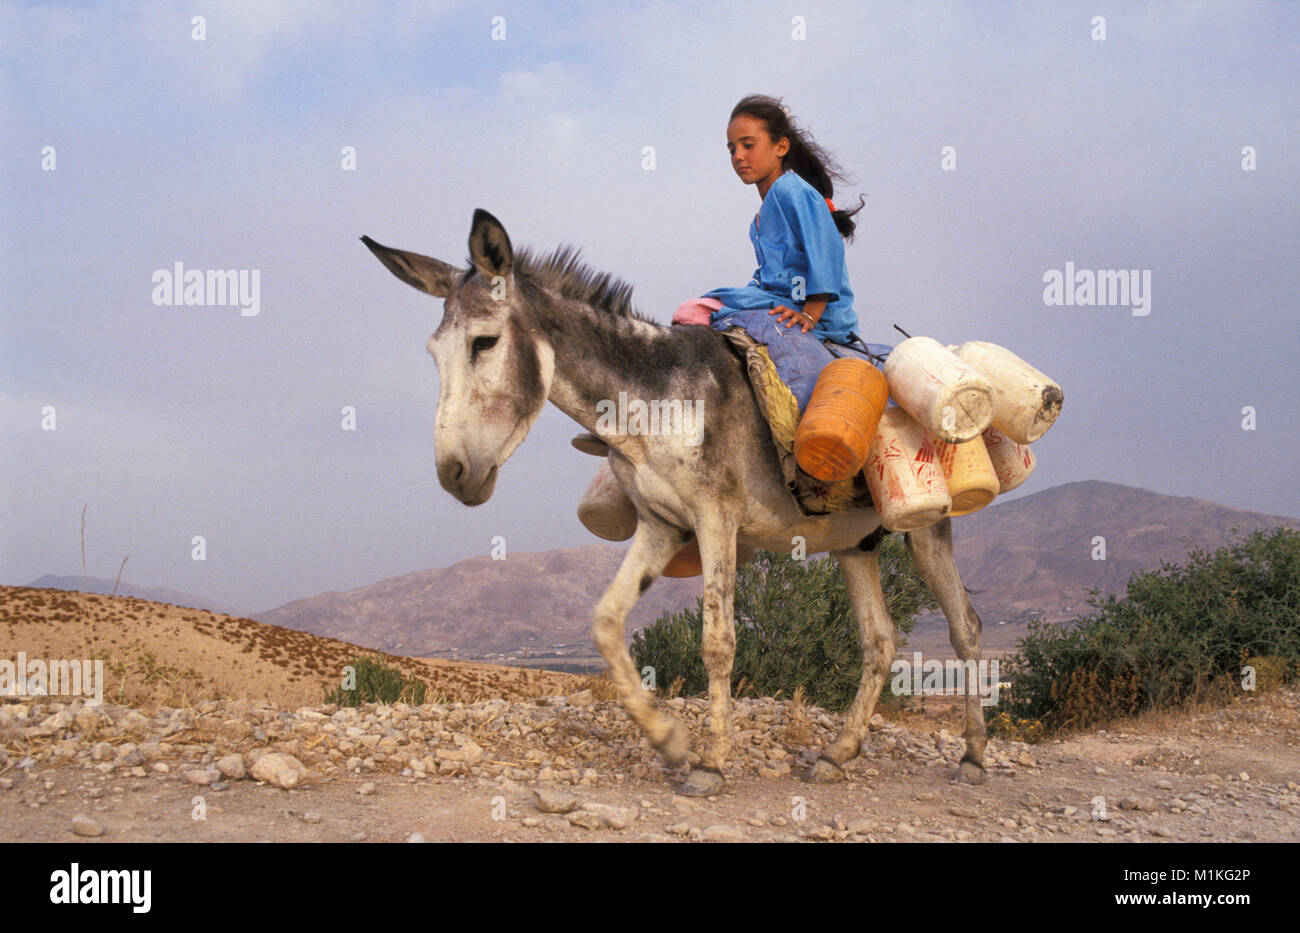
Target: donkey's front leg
932 553
654 545
717 539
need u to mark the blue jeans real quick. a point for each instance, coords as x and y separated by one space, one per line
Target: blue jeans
799 358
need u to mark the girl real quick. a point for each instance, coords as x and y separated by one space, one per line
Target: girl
801 286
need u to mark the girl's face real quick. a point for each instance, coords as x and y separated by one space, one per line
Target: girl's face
755 158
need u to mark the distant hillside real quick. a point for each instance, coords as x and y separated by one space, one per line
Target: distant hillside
1030 556
1033 556
482 606
157 594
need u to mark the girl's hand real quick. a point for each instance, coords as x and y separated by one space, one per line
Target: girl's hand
789 317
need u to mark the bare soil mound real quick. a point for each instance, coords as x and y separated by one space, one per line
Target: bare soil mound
160 653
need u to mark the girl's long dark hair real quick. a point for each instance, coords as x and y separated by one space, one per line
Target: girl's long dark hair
810 161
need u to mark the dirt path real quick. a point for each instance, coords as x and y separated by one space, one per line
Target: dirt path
469 772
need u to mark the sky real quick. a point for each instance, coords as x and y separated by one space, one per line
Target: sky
135 138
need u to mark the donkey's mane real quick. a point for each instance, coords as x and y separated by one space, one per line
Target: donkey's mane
562 270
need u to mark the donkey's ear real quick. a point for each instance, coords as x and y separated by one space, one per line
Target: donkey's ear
489 245
428 275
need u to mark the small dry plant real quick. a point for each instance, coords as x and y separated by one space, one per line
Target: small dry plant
799 729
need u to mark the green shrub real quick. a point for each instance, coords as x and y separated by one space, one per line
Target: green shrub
794 627
1180 634
377 682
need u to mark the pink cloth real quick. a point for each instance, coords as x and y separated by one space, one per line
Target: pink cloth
696 311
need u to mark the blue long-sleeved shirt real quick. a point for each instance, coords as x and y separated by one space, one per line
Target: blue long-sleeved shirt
794 235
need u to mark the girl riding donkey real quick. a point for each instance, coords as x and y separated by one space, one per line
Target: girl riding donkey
799 302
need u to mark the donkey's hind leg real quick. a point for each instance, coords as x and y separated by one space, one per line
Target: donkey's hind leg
876 632
653 546
932 553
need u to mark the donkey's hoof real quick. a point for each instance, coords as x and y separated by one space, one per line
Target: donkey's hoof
702 782
971 772
824 772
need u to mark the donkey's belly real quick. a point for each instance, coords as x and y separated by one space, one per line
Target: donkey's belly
811 535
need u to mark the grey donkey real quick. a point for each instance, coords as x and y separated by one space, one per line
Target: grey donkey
520 330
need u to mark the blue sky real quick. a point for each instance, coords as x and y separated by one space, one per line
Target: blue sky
225 153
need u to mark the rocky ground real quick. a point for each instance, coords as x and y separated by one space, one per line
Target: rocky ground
576 768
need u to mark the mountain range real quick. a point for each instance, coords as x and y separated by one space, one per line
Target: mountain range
1037 556
1026 557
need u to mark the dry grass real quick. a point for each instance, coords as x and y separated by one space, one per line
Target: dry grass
798 731
602 687
1221 694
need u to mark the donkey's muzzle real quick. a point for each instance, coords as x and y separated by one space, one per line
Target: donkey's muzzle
471 486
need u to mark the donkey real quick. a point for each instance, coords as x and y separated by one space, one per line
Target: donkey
519 330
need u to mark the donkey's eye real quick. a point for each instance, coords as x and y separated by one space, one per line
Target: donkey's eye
481 343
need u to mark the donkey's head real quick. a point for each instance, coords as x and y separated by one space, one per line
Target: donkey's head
494 363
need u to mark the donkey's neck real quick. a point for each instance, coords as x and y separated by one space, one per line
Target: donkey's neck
599 354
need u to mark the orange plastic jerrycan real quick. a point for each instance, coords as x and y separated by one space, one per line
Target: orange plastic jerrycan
687 562
835 434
